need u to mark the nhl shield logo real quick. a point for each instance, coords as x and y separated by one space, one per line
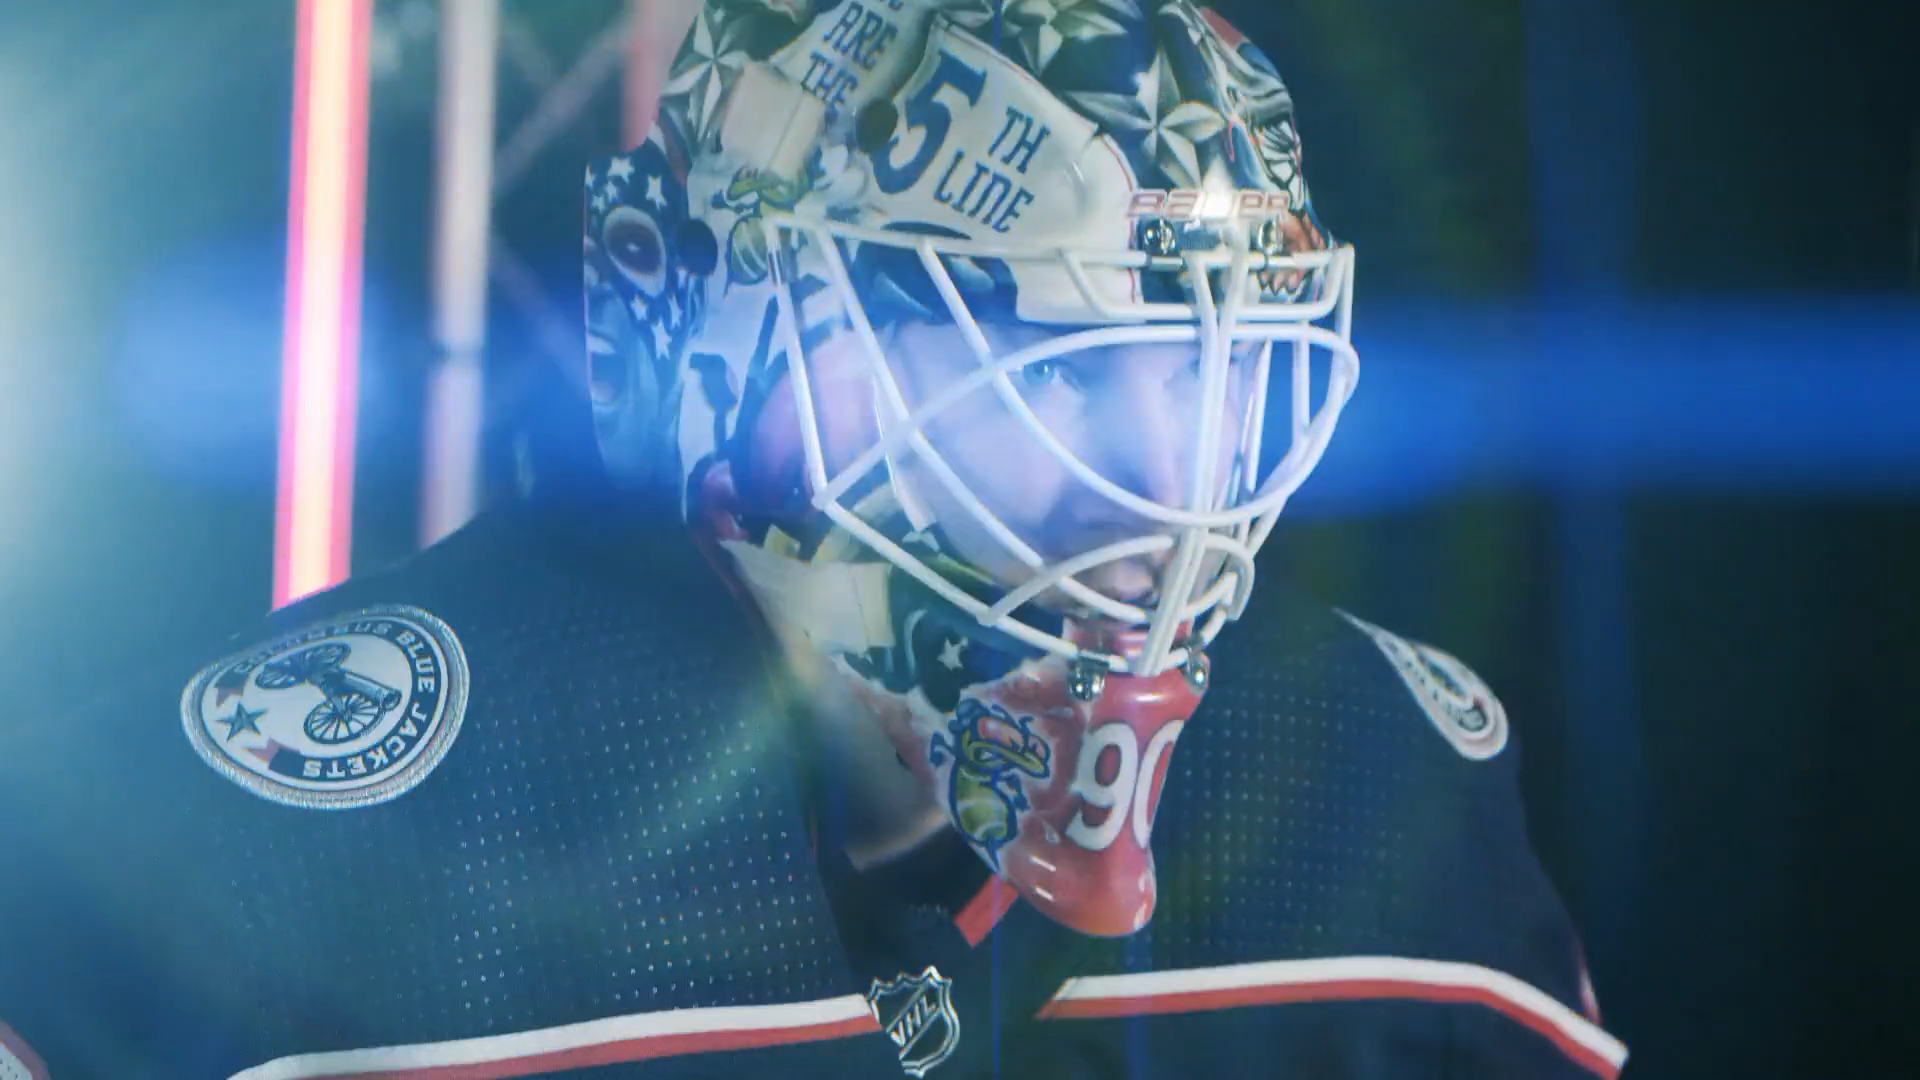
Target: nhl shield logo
349 712
917 1013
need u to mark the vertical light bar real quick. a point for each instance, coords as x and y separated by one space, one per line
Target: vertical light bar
463 229
640 85
313 524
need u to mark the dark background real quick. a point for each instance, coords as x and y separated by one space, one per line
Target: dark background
1708 647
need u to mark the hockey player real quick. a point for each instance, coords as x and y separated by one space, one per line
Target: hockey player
949 331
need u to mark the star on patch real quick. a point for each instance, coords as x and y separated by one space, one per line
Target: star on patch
392 687
950 654
243 719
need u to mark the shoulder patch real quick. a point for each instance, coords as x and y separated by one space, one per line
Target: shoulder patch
350 711
17 1059
1451 695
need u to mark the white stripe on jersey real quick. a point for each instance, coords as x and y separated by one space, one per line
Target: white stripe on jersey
1349 978
593 1042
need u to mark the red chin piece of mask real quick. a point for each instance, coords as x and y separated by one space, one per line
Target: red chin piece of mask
1056 793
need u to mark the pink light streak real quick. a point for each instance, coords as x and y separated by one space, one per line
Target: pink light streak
326 206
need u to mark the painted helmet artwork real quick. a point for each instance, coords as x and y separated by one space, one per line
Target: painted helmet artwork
951 326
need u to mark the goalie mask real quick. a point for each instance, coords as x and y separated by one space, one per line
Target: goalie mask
953 328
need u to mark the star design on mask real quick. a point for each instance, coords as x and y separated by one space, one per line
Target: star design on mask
652 194
1034 30
621 170
950 654
662 339
707 65
243 719
599 203
1167 129
1255 100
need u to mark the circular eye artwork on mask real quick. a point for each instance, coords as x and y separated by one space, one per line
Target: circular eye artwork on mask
348 712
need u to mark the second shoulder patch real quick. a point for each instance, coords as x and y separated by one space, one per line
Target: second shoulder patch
1452 696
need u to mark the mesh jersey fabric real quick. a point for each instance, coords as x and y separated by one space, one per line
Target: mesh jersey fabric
613 832
620 830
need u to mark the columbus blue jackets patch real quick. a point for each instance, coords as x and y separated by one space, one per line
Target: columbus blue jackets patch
1451 695
17 1060
917 1013
347 712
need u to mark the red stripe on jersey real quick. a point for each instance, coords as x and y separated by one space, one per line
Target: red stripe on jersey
617 1041
985 910
1305 981
1589 1001
621 1053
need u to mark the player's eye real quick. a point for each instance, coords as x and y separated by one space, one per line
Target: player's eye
1047 373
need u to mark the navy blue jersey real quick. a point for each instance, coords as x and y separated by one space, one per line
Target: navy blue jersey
526 806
